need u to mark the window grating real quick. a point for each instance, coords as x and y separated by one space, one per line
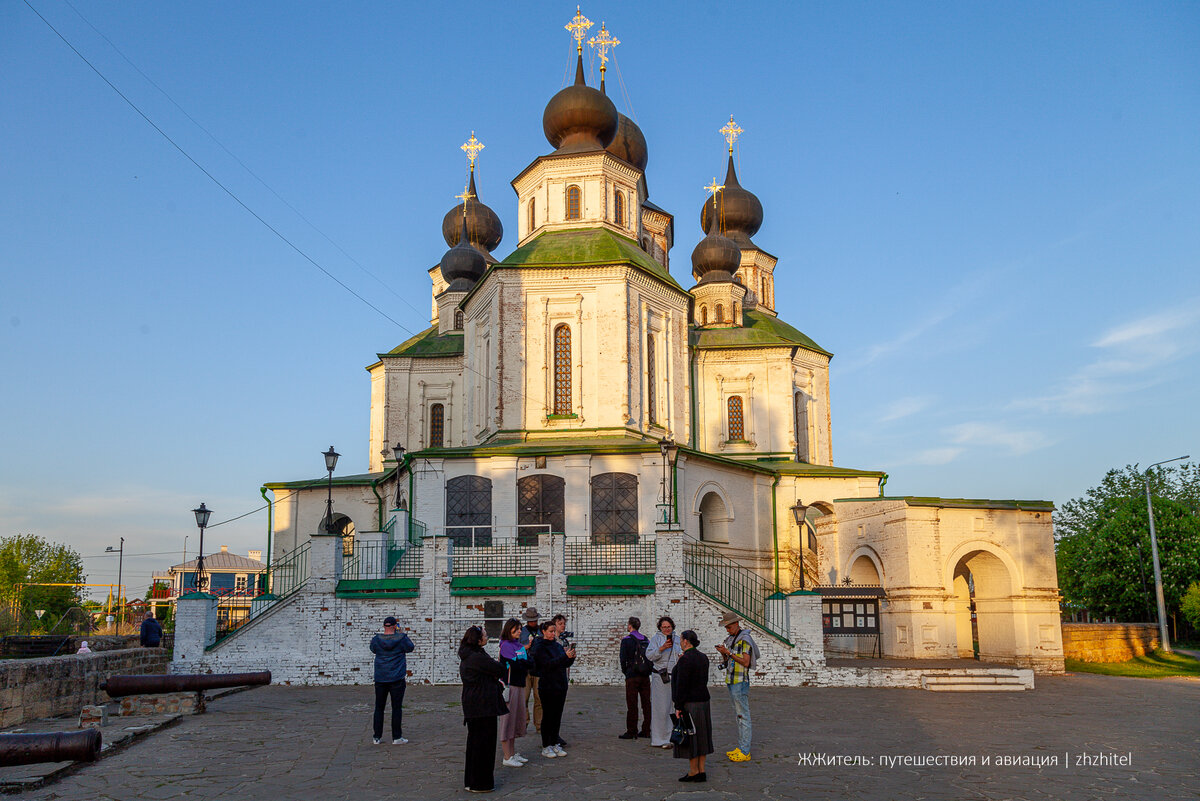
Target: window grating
562 369
737 427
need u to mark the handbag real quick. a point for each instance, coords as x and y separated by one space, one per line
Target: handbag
507 688
681 731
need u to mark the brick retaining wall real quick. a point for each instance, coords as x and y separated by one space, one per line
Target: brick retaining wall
1108 642
61 685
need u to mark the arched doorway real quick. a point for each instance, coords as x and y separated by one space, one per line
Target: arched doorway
864 573
714 519
344 528
983 608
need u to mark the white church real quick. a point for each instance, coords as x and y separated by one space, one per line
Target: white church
588 429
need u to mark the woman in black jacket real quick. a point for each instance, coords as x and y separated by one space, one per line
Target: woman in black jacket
482 704
552 661
689 694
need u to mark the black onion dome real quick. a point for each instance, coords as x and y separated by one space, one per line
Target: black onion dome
463 265
484 230
741 210
629 144
580 118
716 258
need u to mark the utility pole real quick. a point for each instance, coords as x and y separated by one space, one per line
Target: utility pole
1158 586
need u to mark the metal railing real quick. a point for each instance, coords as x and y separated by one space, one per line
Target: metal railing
265 589
504 558
380 560
735 587
583 556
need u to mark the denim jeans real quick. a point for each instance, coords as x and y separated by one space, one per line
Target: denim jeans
740 695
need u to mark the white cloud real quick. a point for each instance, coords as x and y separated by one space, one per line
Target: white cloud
1131 358
994 435
904 407
933 456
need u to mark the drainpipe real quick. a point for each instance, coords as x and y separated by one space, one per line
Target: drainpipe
775 528
412 496
882 484
378 501
270 522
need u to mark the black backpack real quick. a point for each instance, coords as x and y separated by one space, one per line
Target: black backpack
641 663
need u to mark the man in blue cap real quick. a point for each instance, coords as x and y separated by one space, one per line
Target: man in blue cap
391 669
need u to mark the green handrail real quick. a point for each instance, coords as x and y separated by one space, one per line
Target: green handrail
735 587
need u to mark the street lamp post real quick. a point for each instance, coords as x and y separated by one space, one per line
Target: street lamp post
799 511
202 514
331 457
398 452
120 565
1158 586
670 453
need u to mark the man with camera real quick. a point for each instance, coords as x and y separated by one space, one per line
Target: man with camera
637 669
739 656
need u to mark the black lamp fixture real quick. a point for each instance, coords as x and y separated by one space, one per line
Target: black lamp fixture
800 514
202 514
670 454
799 510
331 457
398 451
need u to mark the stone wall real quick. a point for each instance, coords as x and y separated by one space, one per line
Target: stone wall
61 685
314 637
1108 642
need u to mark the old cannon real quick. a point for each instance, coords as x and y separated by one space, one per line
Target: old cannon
118 686
26 749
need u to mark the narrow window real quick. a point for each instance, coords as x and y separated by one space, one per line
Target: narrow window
651 395
437 425
733 319
458 320
562 369
720 313
801 427
573 204
703 315
532 216
765 302
619 209
737 429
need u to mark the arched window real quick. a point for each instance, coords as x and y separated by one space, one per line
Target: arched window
720 313
703 315
651 395
437 425
614 509
573 202
469 511
619 208
532 215
801 427
458 319
737 427
562 369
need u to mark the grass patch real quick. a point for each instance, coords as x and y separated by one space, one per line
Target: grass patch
1157 665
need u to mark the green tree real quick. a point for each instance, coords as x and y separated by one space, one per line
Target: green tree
27 559
1103 542
1191 606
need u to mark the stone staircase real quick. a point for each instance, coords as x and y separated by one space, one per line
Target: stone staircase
977 680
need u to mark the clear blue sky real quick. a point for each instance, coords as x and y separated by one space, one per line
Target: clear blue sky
990 213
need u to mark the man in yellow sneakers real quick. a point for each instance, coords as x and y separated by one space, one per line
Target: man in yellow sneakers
739 655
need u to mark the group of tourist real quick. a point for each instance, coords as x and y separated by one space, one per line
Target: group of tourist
666 674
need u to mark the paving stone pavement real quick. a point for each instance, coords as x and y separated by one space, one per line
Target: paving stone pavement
280 743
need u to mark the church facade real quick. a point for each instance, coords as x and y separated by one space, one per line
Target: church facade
585 427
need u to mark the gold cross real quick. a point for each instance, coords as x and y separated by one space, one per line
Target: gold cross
713 189
578 27
603 42
472 147
731 131
466 195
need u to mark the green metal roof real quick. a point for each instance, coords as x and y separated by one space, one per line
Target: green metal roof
428 345
960 503
758 331
584 247
360 480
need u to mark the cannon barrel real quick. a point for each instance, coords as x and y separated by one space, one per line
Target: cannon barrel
63 746
117 686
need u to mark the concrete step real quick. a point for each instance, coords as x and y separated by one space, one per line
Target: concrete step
975 682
